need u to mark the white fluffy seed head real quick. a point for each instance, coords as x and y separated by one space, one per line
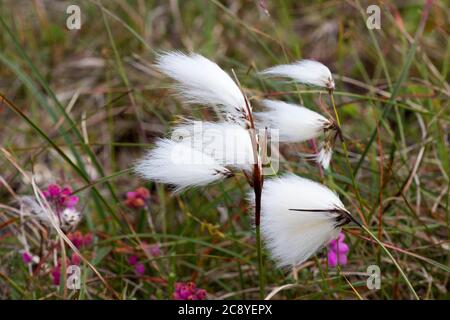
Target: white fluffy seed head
304 71
295 123
180 165
227 143
202 81
293 236
323 157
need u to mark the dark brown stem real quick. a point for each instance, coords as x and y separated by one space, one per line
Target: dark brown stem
257 174
257 188
257 184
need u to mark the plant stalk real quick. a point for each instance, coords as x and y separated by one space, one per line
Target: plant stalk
257 187
262 281
257 183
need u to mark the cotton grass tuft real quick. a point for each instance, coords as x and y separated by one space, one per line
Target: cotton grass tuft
201 81
180 165
306 71
293 236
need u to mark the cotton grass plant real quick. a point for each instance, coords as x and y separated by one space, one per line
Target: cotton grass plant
314 73
293 238
298 216
202 81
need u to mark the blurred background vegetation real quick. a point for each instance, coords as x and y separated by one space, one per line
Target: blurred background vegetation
88 103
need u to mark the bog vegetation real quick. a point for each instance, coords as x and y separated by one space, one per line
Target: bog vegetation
78 108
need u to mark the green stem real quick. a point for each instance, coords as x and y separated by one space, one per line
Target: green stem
344 146
260 263
360 202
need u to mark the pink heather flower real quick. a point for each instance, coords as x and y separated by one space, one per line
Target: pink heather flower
66 191
131 194
334 259
70 201
26 257
139 269
65 198
143 193
155 250
53 191
79 240
76 260
60 197
188 291
201 294
337 251
76 238
138 198
56 275
132 260
88 239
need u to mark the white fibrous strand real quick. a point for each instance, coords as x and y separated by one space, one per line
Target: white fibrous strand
177 164
295 123
306 71
323 157
227 143
202 81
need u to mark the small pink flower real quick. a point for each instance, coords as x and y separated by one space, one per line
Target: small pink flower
65 198
188 291
76 238
131 194
53 190
334 259
76 260
56 275
155 250
139 269
79 240
26 257
340 247
143 193
60 198
66 191
138 198
88 239
201 294
71 201
132 260
337 251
